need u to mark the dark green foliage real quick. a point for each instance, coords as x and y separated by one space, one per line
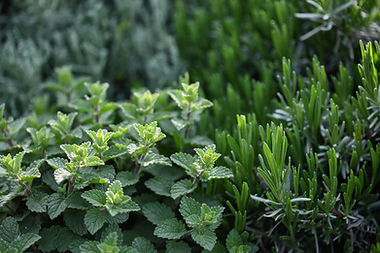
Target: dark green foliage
115 41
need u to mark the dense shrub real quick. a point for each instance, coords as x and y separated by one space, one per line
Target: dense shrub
124 42
171 171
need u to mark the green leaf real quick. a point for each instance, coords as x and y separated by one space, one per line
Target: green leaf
170 229
180 188
37 202
153 158
9 230
189 206
90 247
61 175
75 201
156 212
160 185
175 247
142 245
57 162
205 237
233 240
95 219
183 160
56 205
220 172
95 197
74 220
127 178
24 241
125 207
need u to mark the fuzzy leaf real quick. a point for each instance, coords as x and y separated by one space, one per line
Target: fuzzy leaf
160 185
37 202
156 212
153 158
127 178
56 205
204 237
189 206
174 247
95 219
142 245
9 230
95 197
180 188
61 175
170 229
220 172
183 160
74 220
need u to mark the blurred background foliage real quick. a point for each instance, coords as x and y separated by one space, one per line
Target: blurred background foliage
127 43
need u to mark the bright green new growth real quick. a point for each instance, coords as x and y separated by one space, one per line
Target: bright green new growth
100 140
199 167
201 219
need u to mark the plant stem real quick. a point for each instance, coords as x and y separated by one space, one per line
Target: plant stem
71 184
187 120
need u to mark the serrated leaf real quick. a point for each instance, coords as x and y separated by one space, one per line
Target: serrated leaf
175 247
125 207
95 219
56 205
74 220
204 237
233 239
153 158
170 229
142 245
156 212
75 201
57 162
95 197
127 178
183 160
37 202
113 152
220 172
160 186
183 187
24 241
61 175
189 206
9 230
90 247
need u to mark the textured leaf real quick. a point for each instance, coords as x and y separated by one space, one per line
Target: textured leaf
233 239
185 186
125 207
176 247
142 245
24 241
90 247
61 175
9 230
183 160
75 201
56 205
37 202
153 158
170 229
160 186
57 162
156 212
95 219
204 237
95 197
74 220
220 172
189 206
127 178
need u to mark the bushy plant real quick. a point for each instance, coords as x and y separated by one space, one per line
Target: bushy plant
124 42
